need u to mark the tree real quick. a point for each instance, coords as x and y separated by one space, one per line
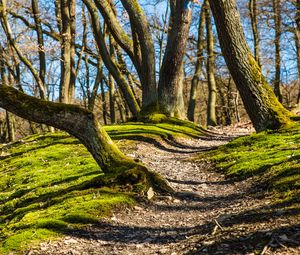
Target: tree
210 67
259 100
82 124
166 95
254 26
278 31
198 66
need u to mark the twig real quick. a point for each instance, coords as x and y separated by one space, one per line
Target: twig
219 225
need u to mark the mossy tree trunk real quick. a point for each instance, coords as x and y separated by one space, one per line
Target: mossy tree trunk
260 102
82 124
77 121
210 67
170 94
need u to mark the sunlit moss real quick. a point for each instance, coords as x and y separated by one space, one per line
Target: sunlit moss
272 155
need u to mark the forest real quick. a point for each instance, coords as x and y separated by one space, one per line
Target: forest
132 127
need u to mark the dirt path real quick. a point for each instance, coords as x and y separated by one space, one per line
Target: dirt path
208 214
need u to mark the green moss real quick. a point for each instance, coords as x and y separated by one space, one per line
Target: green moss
272 156
279 117
163 128
50 185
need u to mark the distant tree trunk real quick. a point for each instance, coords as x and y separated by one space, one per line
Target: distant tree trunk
103 99
67 80
211 81
111 85
278 31
9 34
198 67
112 100
259 100
170 94
254 26
10 127
40 38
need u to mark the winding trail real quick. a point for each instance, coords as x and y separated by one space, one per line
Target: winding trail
207 215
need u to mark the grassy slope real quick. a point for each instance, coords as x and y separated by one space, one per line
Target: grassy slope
274 157
44 189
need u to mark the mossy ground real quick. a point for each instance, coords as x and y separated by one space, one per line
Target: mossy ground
48 183
42 193
159 126
273 157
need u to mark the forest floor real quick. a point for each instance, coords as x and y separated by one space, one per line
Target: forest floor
208 214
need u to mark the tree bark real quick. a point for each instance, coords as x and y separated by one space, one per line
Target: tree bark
147 72
259 100
278 31
67 80
254 26
198 67
40 38
210 67
170 97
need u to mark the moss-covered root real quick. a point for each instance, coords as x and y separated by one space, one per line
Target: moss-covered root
140 179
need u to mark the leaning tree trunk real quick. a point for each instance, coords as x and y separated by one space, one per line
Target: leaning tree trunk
170 95
259 100
77 121
83 124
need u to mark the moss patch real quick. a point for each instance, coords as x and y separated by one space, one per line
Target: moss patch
48 187
159 127
272 156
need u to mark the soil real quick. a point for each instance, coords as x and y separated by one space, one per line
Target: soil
209 214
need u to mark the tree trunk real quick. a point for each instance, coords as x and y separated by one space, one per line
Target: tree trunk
147 71
67 80
254 26
103 99
278 31
198 67
210 66
40 38
10 127
170 95
77 121
259 100
110 62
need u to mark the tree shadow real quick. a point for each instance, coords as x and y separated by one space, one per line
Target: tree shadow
267 225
